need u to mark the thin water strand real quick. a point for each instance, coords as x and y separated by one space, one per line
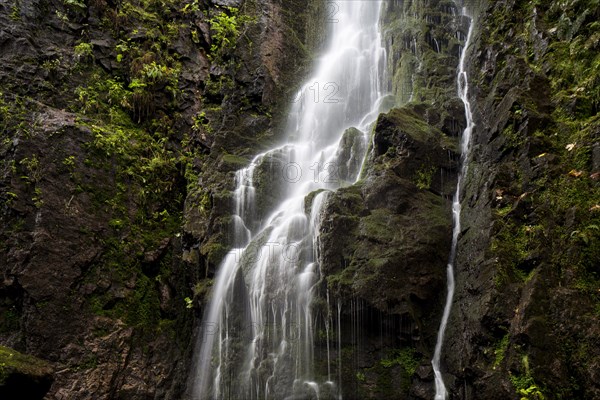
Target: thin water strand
441 392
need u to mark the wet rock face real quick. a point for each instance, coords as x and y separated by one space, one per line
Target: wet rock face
523 321
377 231
386 239
350 155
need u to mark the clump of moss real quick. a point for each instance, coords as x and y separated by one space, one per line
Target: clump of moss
13 363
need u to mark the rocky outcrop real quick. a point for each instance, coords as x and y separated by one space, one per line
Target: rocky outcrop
23 376
393 220
385 240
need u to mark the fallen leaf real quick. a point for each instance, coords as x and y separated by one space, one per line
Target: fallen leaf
576 173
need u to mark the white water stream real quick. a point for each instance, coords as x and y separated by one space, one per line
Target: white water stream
463 92
257 334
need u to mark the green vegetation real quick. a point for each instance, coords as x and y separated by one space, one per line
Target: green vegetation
526 388
500 350
394 372
11 361
13 117
360 376
10 320
547 216
225 28
569 139
405 358
143 162
424 177
84 51
525 384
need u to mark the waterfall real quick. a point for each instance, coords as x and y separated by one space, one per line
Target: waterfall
463 92
256 340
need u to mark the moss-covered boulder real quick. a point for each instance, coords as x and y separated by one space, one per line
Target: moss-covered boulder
23 376
405 143
384 246
385 240
309 199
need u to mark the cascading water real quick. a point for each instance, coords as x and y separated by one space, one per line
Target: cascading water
257 332
463 92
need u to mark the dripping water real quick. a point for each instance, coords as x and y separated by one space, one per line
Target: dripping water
463 92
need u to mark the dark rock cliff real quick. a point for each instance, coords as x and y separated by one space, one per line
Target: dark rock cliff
525 321
120 125
525 316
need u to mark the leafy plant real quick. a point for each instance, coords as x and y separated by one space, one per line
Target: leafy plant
189 303
425 177
525 384
526 387
360 376
225 28
84 50
69 162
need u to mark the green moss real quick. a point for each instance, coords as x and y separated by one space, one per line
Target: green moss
10 320
411 124
214 252
308 200
143 306
514 244
202 288
513 139
524 384
406 357
234 161
384 379
11 361
500 350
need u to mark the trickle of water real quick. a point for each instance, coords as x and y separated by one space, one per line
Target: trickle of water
257 334
463 92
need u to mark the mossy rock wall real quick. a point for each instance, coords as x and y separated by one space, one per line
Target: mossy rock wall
525 319
121 126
